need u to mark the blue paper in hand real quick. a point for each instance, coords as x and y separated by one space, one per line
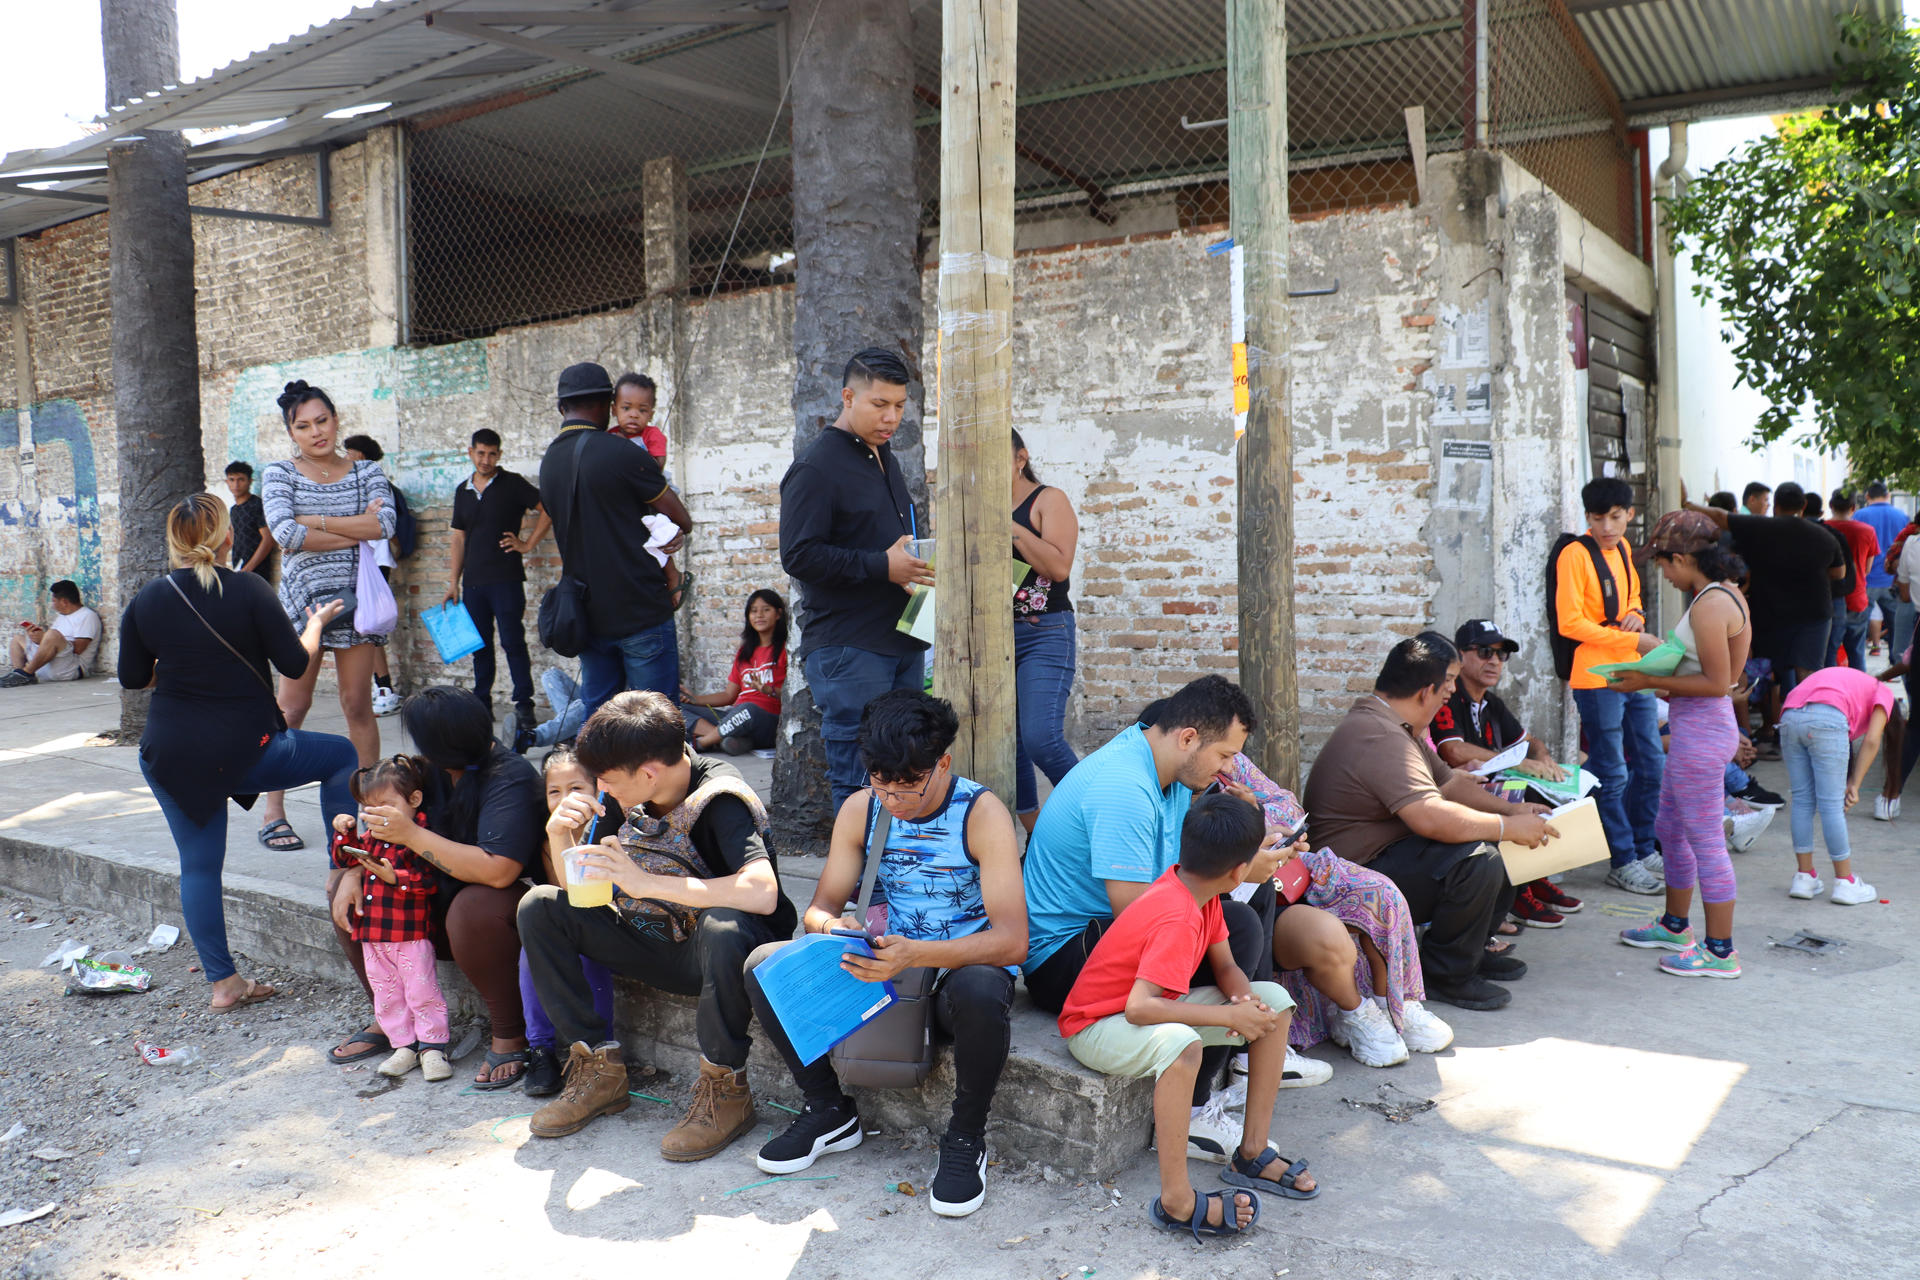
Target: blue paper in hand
819 1004
453 632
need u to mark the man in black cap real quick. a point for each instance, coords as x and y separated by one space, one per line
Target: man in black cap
596 487
846 529
1476 724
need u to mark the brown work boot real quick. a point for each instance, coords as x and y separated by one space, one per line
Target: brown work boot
596 1086
721 1111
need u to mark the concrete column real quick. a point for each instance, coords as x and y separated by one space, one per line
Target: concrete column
664 228
386 234
663 195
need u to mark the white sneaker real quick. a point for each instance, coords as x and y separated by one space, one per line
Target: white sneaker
1302 1072
1851 893
1233 1097
1636 877
402 1061
1885 810
1422 1032
385 701
1655 863
1212 1134
1370 1036
1745 828
1805 885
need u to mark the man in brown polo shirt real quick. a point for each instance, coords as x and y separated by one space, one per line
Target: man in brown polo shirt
1379 796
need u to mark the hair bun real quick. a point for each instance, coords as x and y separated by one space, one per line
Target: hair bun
293 393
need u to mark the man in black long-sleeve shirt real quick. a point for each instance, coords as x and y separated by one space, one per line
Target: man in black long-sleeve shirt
845 522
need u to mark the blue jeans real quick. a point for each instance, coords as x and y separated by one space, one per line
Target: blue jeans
844 680
1042 679
1896 619
505 603
292 759
1623 751
648 659
569 713
1736 779
1853 639
1815 743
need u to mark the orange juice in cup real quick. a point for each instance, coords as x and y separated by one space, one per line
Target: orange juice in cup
585 885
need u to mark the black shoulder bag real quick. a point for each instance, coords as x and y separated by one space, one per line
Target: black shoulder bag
895 1050
562 620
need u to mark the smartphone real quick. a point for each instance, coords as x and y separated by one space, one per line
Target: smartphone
857 935
358 853
1288 837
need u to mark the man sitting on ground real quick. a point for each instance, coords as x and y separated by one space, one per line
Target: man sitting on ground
49 654
1111 828
951 876
1135 1011
686 931
1379 796
1476 725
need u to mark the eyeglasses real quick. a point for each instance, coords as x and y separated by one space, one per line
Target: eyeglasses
1490 652
902 793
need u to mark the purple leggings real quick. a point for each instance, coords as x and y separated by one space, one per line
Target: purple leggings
1693 843
540 1032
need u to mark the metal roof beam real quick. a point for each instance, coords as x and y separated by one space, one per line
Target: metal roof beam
1732 100
645 79
630 18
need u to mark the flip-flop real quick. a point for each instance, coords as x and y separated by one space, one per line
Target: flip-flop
522 1056
1247 1175
256 992
379 1042
1228 1225
282 830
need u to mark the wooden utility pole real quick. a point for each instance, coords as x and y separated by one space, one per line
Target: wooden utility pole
156 354
973 649
1257 183
856 236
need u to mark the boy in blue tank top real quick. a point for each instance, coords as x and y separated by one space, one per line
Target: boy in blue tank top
954 902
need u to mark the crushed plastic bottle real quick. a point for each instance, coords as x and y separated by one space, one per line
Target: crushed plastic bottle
155 1056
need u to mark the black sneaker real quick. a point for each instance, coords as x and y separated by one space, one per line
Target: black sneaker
545 1073
960 1184
1475 993
1503 968
517 732
813 1133
736 745
1754 793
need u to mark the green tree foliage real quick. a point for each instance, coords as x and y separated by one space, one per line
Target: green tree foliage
1809 240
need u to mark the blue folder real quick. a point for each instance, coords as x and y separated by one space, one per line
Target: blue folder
453 632
819 1004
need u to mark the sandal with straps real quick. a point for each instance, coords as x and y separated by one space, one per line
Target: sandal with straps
1249 1175
1229 1224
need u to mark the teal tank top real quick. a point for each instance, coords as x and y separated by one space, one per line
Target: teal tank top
932 883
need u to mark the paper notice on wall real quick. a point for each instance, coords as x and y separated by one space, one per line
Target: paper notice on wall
1466 476
1466 337
1237 292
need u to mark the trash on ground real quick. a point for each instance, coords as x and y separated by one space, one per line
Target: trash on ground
99 978
1813 944
14 1217
468 1043
54 1153
155 1056
1394 1112
133 1155
12 1133
65 954
904 1188
44 924
163 936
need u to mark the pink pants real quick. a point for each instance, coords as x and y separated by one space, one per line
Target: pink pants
406 996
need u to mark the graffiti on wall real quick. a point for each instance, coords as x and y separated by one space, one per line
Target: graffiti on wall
63 526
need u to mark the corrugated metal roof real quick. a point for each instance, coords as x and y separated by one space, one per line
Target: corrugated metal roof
1356 65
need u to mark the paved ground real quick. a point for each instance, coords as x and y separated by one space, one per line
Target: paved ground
1611 1122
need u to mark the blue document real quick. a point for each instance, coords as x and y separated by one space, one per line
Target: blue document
819 1004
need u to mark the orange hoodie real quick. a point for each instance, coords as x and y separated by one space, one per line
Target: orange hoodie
1582 611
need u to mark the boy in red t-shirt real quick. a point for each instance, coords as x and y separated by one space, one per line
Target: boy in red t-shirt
1134 1012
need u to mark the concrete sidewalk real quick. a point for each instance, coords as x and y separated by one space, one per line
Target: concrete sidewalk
1612 1122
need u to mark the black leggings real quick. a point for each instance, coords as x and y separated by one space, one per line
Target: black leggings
973 1007
1249 937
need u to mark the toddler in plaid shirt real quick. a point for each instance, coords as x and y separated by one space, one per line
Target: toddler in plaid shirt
395 920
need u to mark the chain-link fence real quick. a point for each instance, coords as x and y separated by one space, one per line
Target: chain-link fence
531 206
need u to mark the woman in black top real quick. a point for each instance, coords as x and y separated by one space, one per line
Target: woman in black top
212 734
486 824
1045 534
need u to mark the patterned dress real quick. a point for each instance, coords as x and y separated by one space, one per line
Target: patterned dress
309 576
1362 900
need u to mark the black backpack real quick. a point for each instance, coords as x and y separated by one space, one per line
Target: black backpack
1609 597
405 535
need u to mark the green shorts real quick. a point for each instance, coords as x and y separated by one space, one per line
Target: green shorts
1115 1047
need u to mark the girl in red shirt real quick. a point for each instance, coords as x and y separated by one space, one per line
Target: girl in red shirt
743 716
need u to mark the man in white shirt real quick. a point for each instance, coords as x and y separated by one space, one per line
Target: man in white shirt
60 652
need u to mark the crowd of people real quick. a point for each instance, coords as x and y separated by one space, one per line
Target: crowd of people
1182 916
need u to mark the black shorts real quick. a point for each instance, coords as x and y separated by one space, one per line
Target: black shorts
1795 644
741 720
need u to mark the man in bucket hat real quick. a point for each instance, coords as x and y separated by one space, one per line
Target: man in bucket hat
595 486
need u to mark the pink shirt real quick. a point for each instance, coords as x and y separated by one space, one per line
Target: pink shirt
1854 693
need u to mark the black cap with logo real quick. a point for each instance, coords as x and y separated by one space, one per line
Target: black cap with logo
1477 633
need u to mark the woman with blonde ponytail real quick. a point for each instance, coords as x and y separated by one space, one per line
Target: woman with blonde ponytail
203 636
